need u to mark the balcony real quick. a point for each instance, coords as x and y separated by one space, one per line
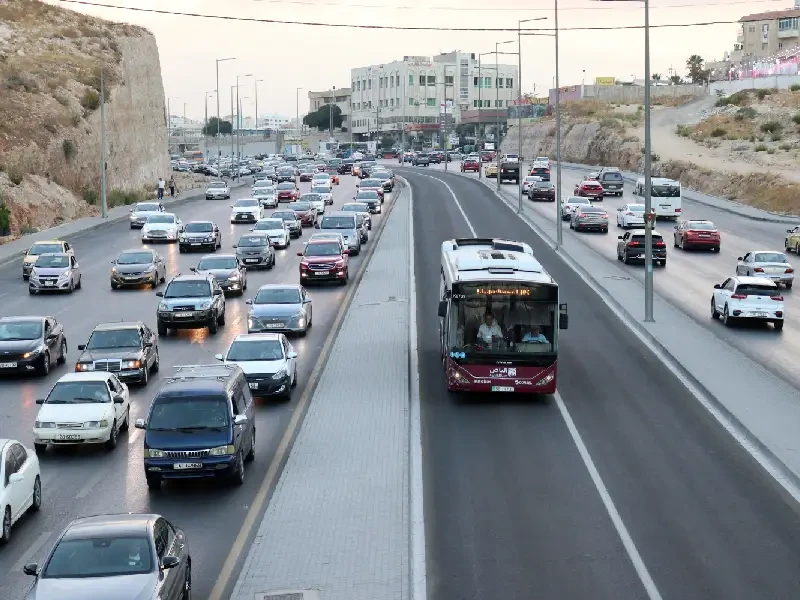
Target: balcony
788 33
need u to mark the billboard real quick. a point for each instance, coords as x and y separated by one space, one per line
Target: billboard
765 33
605 80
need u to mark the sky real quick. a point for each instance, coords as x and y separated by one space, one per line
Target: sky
288 56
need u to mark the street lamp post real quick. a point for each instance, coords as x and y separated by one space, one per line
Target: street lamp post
330 113
184 126
257 81
559 230
239 120
219 60
297 100
205 119
233 118
519 106
497 104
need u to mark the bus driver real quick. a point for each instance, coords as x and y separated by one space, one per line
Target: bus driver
489 330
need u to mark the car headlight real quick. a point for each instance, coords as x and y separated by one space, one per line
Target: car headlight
33 352
64 275
96 424
113 270
44 425
131 364
235 276
205 305
84 367
150 269
228 450
280 374
163 306
151 453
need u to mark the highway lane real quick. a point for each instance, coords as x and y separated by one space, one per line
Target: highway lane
90 481
689 278
509 507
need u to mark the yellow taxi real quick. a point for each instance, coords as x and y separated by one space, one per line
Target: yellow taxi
792 241
43 247
491 170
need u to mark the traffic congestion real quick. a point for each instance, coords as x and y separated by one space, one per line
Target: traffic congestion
179 339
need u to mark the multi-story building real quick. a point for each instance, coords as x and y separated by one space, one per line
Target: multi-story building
273 121
418 94
765 35
340 96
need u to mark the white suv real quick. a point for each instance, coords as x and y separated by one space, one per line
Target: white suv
754 298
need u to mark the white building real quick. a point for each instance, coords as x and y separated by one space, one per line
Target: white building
273 121
340 96
410 94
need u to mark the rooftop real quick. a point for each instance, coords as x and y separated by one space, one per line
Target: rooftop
105 525
116 326
771 15
85 376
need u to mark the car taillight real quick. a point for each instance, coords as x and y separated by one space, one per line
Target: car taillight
758 270
633 244
776 298
660 244
789 271
628 214
739 296
678 210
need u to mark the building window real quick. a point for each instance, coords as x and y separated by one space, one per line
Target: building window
392 102
509 82
474 104
787 24
474 82
448 80
499 82
487 104
431 102
369 84
487 82
411 102
431 79
752 29
410 79
498 103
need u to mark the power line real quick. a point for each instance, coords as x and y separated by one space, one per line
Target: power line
511 8
378 27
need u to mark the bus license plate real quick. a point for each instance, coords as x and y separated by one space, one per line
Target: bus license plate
502 388
183 466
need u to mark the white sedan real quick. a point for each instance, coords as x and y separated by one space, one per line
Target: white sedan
751 298
630 215
90 407
268 361
246 210
217 189
20 484
571 204
529 181
162 227
768 264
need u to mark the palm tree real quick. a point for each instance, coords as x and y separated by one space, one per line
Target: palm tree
656 76
676 80
694 64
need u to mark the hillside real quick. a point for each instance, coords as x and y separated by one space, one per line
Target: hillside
744 148
50 65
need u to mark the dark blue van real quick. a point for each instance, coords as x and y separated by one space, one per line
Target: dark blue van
201 424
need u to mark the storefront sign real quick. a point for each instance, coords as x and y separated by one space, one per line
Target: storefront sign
605 80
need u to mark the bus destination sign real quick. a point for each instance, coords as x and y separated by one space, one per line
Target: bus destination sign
503 292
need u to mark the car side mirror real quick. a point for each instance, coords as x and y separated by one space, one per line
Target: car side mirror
316 226
40 401
249 301
677 227
51 337
619 237
113 262
717 286
442 309
31 569
291 354
160 294
619 209
218 292
169 562
240 419
81 347
193 269
790 231
739 258
148 344
231 205
140 424
118 399
235 246
219 357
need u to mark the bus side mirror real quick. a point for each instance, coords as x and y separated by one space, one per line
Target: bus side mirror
563 317
443 309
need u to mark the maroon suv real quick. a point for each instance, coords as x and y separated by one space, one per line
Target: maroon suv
305 212
470 164
324 260
589 188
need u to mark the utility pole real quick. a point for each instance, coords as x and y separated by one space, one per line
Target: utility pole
330 112
559 230
169 128
103 196
648 201
219 151
480 107
403 128
497 106
184 126
257 81
297 100
233 117
519 115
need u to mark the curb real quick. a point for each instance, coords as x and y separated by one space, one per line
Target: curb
699 391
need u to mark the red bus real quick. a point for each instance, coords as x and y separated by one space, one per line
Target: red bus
499 318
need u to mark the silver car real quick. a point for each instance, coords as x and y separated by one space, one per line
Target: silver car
218 190
588 218
137 267
360 208
141 211
528 182
572 203
316 201
764 263
277 230
280 307
55 273
347 224
326 192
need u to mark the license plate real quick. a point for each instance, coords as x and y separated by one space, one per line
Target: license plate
49 283
68 436
243 216
183 315
182 466
502 388
759 314
251 260
665 206
8 365
253 386
322 273
275 325
130 278
195 243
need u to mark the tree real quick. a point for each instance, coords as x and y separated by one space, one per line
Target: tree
225 127
321 117
694 65
676 80
656 76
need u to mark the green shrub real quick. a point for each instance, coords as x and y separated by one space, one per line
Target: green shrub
737 99
771 127
795 87
91 196
763 93
75 120
786 147
68 147
775 137
16 176
718 132
5 218
752 138
745 112
796 118
682 130
771 151
90 100
123 197
761 148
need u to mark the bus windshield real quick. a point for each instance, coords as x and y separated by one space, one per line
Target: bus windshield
503 318
665 191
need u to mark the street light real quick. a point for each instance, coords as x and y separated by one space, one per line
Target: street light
169 123
239 118
219 60
480 104
205 119
257 81
497 103
184 126
297 107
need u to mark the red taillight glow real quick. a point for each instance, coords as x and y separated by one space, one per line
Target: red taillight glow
633 244
678 210
660 244
776 298
789 271
758 270
739 296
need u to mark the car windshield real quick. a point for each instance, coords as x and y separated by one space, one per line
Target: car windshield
541 169
595 210
666 191
636 207
285 216
285 171
79 392
300 206
277 295
248 202
269 224
119 338
590 183
255 350
359 207
704 225
135 258
217 262
37 249
261 183
161 219
367 195
311 198
531 178
216 184
147 207
306 171
765 257
757 289
20 330
381 175
53 261
612 175
323 249
368 183
188 289
544 185
321 177
100 557
286 185
199 228
250 241
188 412
321 189
338 223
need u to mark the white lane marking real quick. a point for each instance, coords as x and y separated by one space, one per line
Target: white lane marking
89 485
605 496
611 509
419 578
31 551
458 204
133 435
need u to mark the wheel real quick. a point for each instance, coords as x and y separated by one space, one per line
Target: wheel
187 584
80 282
674 241
664 263
625 259
619 257
153 482
156 364
181 249
221 318
727 319
304 332
683 244
62 353
112 440
44 367
162 328
252 453
294 378
40 448
605 230
145 376
788 285
778 325
154 284
5 535
126 424
714 313
213 326
71 286
797 249
113 285
238 476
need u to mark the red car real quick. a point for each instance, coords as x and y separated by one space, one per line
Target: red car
305 212
697 234
470 164
324 260
372 185
287 192
589 188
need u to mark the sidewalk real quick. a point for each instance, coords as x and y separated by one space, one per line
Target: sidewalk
338 520
757 407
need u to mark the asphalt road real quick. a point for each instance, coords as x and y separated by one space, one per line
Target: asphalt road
511 511
689 277
90 481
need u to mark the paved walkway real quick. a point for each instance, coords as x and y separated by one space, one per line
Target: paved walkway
338 521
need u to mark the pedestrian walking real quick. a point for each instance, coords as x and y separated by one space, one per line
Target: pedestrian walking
172 186
161 185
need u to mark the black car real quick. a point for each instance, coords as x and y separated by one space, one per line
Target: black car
367 166
435 158
371 199
226 269
255 251
140 556
286 174
31 344
542 190
421 160
291 219
129 350
191 302
631 247
346 168
197 235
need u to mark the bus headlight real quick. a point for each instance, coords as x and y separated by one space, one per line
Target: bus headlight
546 379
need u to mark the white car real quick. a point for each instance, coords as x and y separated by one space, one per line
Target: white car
315 200
90 407
267 196
276 230
246 210
529 181
571 204
315 237
322 179
259 184
162 227
218 189
20 484
768 264
542 160
141 211
630 215
752 298
326 191
268 360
